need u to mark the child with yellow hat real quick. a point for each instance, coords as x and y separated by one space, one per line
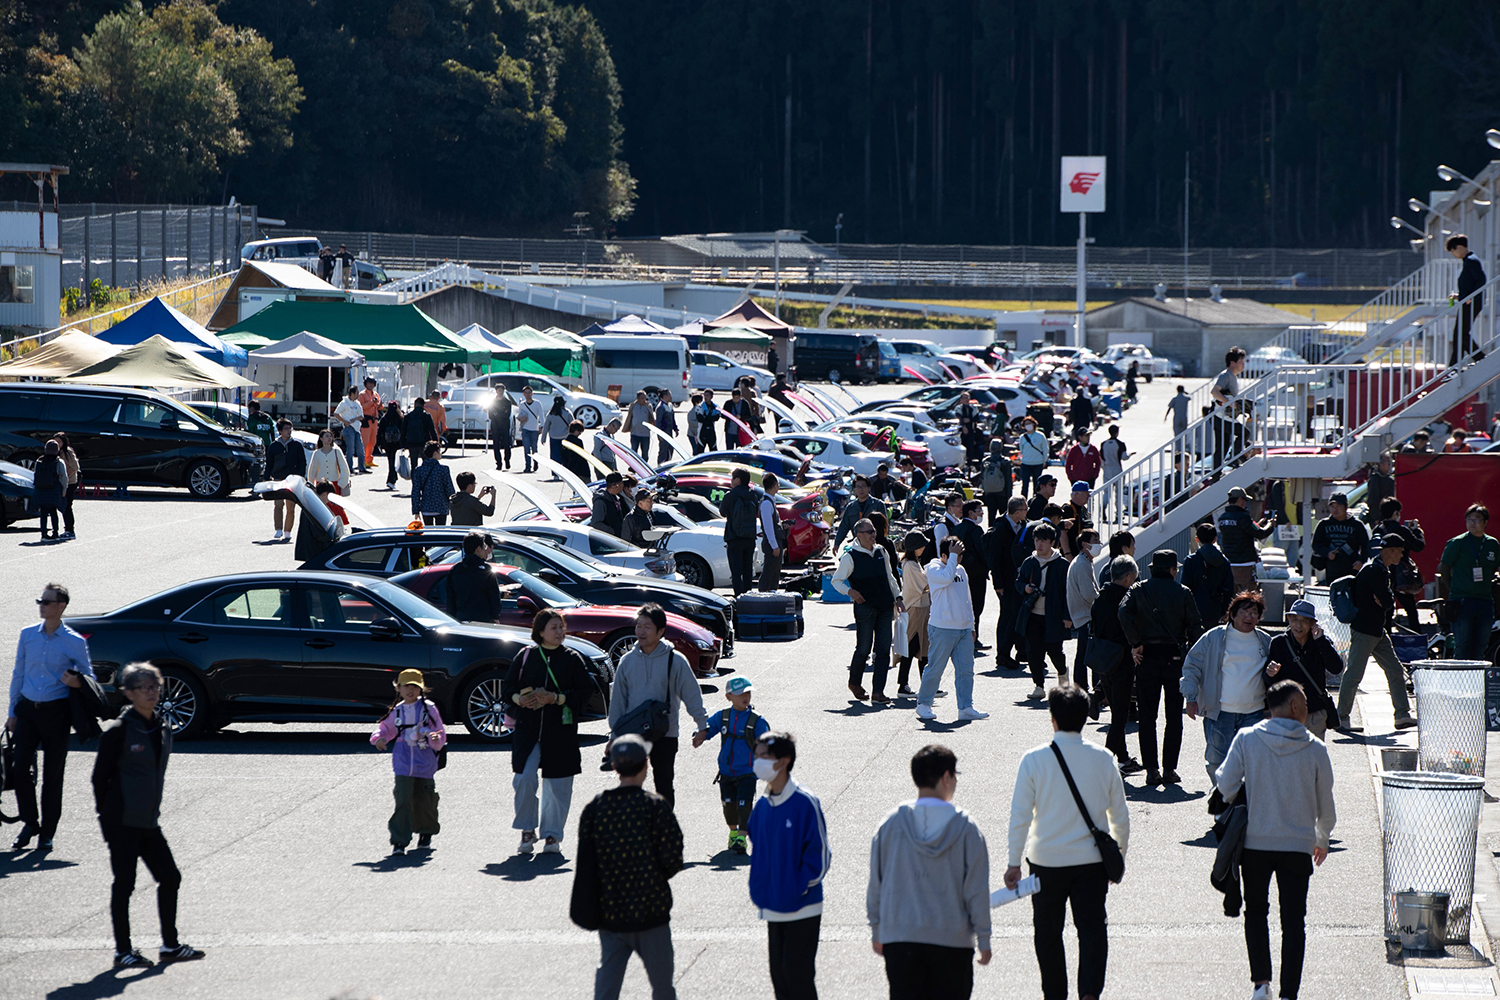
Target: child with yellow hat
416 728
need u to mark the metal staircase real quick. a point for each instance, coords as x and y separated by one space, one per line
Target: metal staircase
1319 421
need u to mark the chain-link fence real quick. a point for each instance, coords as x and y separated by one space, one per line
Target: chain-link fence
131 245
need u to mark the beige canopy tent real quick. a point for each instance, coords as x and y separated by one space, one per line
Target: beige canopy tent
67 353
158 363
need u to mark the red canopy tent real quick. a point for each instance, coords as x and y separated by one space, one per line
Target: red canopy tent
748 314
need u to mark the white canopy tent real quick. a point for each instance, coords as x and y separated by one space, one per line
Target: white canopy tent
308 350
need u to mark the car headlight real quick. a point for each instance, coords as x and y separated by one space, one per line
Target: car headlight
704 644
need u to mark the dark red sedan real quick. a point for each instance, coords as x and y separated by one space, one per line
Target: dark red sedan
610 627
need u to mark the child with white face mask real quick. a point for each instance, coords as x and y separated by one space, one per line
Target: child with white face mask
787 869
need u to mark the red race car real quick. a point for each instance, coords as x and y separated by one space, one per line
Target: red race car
612 628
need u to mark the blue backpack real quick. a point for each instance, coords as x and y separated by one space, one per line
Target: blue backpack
1341 597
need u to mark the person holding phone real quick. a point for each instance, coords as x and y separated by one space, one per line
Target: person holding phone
51 658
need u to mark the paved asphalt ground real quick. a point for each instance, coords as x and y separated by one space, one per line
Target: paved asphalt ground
280 830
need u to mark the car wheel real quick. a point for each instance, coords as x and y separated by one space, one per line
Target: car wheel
25 462
183 705
695 570
588 416
482 709
618 645
834 375
206 479
653 393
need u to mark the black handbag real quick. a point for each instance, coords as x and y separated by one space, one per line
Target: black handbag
1103 655
1114 861
10 772
650 719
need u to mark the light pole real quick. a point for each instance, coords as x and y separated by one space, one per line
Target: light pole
838 225
1448 174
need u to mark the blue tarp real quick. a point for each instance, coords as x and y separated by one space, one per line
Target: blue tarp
156 318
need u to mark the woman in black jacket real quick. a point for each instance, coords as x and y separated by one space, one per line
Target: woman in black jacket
1117 683
1305 655
1042 582
390 435
129 772
548 686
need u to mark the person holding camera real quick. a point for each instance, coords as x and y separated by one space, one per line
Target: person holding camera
51 659
465 508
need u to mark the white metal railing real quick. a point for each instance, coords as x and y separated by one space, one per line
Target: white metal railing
1314 409
1429 284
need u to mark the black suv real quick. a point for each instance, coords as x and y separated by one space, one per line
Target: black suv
838 357
127 436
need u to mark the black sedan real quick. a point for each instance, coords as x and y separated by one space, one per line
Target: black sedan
311 647
386 552
15 495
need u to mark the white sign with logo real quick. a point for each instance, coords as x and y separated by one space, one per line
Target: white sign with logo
1082 184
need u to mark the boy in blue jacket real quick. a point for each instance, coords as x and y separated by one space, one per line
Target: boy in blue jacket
791 860
740 728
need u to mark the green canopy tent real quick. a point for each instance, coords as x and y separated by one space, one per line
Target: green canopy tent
533 351
741 343
380 333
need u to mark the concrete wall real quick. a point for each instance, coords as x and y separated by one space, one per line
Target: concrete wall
457 306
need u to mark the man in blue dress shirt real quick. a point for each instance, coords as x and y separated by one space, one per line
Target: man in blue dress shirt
49 659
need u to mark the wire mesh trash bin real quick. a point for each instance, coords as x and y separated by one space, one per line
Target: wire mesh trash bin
1422 920
1430 828
1450 714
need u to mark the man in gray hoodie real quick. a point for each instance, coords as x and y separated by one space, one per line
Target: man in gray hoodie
928 899
1288 780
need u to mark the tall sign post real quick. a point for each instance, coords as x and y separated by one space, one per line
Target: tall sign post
1082 190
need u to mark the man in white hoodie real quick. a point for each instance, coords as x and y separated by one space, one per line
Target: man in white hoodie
950 632
1288 780
1047 828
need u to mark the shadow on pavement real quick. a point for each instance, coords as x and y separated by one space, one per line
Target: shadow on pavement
21 862
109 983
857 708
1165 796
413 858
725 861
524 868
233 741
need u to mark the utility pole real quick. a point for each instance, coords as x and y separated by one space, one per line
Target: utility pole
1186 180
1083 252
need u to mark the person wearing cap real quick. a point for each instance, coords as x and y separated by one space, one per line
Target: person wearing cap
1465 570
774 534
629 846
1075 519
602 451
787 870
1238 533
416 728
545 691
1406 578
865 575
1339 541
740 728
1160 619
1304 654
609 506
473 591
1369 635
639 521
49 486
1046 488
1223 678
653 670
1035 453
1083 461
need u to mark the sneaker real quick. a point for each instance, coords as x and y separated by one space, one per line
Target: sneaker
425 840
905 692
398 851
67 535
528 843
1346 726
24 838
972 713
132 959
1036 693
1171 778
552 846
1405 722
1262 992
1153 778
276 537
181 953
1131 766
738 842
924 712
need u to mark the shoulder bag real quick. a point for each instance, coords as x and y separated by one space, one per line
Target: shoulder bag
1103 655
1114 861
650 719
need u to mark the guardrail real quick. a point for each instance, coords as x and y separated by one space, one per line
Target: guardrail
1427 285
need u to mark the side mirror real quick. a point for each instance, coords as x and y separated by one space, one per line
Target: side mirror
548 574
526 606
386 628
169 423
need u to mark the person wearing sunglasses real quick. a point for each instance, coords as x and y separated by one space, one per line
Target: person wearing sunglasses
51 659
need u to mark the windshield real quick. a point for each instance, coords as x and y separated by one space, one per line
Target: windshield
540 590
409 604
565 559
888 349
604 544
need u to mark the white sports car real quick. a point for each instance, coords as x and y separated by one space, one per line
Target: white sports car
835 449
466 403
945 446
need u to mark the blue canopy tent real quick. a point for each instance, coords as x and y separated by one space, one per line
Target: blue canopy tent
157 319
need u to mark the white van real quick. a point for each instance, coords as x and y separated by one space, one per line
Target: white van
641 361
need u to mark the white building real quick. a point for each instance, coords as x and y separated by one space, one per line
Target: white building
30 257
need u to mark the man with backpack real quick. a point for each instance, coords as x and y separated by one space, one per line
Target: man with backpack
740 508
1207 574
1368 606
997 482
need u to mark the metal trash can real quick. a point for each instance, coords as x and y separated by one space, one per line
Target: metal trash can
1450 714
1429 832
1422 920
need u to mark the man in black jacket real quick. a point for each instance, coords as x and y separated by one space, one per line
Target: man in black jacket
1406 578
1118 683
1341 540
629 845
1046 487
861 505
473 591
1000 544
129 772
1160 619
285 457
1238 533
1369 634
609 506
639 521
1470 280
417 429
970 531
1207 574
740 509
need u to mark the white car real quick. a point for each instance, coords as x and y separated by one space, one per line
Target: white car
719 372
580 539
835 449
1121 355
945 446
930 359
466 403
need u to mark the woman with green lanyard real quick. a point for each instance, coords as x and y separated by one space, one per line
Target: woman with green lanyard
547 687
